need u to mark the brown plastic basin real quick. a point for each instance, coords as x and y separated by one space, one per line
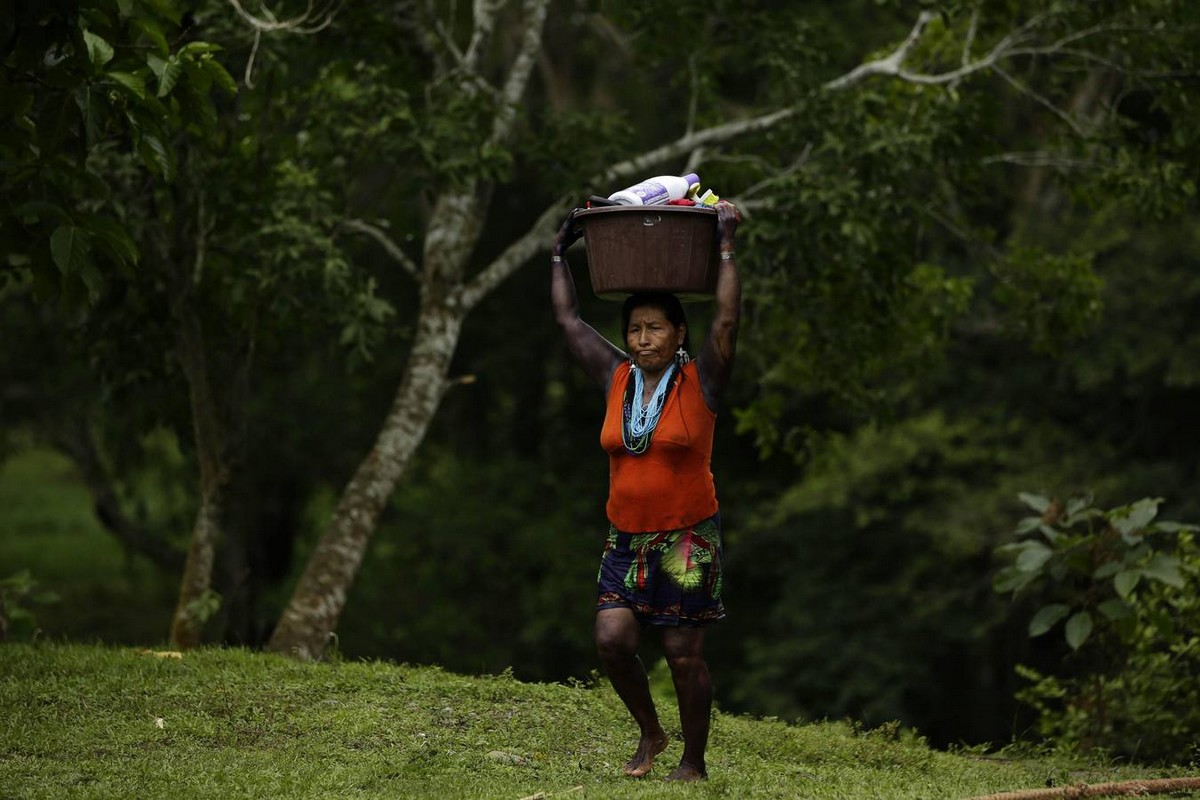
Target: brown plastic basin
651 248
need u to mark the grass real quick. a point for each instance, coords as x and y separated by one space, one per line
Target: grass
99 722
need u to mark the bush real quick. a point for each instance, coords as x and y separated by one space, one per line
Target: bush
17 593
1124 586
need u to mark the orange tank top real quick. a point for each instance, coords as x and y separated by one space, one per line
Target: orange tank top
670 485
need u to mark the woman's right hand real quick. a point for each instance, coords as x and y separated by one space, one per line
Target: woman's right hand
568 234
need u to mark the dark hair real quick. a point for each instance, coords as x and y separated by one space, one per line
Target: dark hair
665 302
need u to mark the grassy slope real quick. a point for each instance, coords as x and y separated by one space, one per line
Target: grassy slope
89 721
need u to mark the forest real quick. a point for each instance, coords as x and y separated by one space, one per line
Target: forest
278 368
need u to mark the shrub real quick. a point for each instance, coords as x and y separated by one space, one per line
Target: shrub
1123 584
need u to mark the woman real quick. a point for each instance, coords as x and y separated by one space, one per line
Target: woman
662 560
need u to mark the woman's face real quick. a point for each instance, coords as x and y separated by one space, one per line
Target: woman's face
652 339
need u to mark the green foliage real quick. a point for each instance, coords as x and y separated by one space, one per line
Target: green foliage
1126 585
102 590
1051 299
838 311
74 79
220 723
19 592
888 176
486 558
302 259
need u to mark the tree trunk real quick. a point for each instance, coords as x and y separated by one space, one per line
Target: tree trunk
196 597
195 589
315 606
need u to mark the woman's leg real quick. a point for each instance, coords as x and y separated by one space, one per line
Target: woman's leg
684 648
618 634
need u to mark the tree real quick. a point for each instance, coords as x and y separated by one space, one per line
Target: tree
78 76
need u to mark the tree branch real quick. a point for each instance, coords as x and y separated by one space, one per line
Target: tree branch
1039 159
892 64
516 254
688 142
392 249
313 20
522 68
485 12
405 15
791 169
888 65
1039 99
969 41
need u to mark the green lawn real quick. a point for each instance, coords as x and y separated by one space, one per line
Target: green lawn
100 722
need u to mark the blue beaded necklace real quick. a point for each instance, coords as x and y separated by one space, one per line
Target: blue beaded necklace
640 419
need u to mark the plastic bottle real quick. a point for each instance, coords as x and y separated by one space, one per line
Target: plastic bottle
657 190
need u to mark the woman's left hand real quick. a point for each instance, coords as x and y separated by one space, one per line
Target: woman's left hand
728 218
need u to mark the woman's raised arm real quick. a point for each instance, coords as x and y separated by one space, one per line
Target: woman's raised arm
598 356
717 355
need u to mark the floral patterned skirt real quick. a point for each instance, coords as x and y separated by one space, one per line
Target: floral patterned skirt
666 578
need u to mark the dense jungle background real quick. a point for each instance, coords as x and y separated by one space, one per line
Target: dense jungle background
278 368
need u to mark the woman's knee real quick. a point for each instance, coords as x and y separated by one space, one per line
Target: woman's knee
685 663
616 637
683 648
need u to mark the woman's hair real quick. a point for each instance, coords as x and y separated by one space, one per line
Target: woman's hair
665 302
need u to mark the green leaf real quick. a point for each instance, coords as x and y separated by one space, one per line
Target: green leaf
1114 609
1078 503
1047 617
199 48
113 240
134 83
1133 518
1079 628
1037 502
99 51
1176 527
1164 568
21 580
220 75
1106 570
1050 533
169 76
1011 579
1033 556
153 32
37 210
1126 581
155 154
157 64
93 280
1028 525
68 248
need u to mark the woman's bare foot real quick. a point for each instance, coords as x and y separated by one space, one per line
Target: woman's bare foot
686 772
643 759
